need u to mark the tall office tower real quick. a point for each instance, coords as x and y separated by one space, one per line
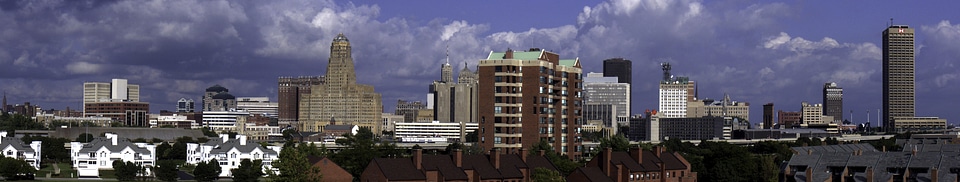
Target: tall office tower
117 90
768 116
340 98
674 94
833 102
455 101
547 88
623 70
408 109
218 98
288 96
599 89
898 74
185 105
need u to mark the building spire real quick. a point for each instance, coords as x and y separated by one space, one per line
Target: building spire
448 54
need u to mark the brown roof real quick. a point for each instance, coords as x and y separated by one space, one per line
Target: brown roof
481 164
399 169
535 161
671 162
593 174
510 165
444 164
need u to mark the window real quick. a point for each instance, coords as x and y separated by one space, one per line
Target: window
497 110
496 140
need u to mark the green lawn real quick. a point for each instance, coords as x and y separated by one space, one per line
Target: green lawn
108 174
65 170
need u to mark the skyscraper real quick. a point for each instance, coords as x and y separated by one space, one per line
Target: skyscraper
218 98
675 92
547 88
599 89
454 101
768 116
898 74
623 70
340 98
117 90
288 96
833 102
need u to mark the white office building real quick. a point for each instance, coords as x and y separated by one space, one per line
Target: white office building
600 90
230 151
435 131
224 120
89 158
117 90
258 106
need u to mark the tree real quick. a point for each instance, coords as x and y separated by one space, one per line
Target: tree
14 169
156 140
19 122
358 150
84 138
471 137
294 166
207 171
618 143
177 152
209 133
546 175
563 163
162 150
50 148
125 171
166 170
248 171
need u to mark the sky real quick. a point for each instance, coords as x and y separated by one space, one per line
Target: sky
779 52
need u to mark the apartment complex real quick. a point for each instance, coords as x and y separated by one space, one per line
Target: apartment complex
340 96
533 96
230 151
89 158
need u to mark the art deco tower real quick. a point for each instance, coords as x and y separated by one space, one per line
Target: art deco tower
340 98
898 74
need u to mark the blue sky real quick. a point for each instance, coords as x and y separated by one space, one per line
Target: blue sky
756 51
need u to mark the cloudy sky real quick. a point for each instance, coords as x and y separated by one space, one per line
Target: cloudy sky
756 51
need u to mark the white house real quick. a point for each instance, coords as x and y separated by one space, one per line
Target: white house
100 153
229 152
15 148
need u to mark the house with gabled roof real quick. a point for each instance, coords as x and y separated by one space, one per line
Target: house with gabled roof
639 165
230 151
88 158
492 166
15 148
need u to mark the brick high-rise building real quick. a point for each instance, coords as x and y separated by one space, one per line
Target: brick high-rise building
288 96
546 87
833 101
898 74
340 98
768 116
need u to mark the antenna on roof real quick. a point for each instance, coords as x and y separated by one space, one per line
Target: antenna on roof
448 54
891 22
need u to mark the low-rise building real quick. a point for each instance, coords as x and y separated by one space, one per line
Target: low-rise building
906 124
435 131
48 119
636 165
230 151
15 148
862 162
89 158
457 167
175 121
224 120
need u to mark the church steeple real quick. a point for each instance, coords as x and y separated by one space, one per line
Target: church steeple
446 71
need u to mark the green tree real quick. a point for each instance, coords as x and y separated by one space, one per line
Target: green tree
472 137
768 168
156 140
294 166
162 150
50 148
177 152
84 138
207 171
125 171
546 175
248 171
19 122
209 133
13 169
617 143
563 163
166 170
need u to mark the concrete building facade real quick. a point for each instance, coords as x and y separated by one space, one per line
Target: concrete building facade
185 105
833 101
340 96
117 90
603 90
530 97
288 96
129 113
898 74
723 108
455 101
218 98
258 106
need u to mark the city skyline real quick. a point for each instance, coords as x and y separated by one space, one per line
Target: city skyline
770 52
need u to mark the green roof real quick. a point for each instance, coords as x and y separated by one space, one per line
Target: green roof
516 55
568 62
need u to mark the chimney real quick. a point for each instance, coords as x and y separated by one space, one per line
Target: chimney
112 137
934 174
809 152
418 158
658 150
607 153
914 151
869 174
224 137
243 139
619 174
458 157
809 173
541 153
508 54
495 158
884 148
523 154
637 154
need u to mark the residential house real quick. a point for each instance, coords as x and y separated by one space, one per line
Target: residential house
493 166
15 148
229 152
100 153
637 165
330 170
